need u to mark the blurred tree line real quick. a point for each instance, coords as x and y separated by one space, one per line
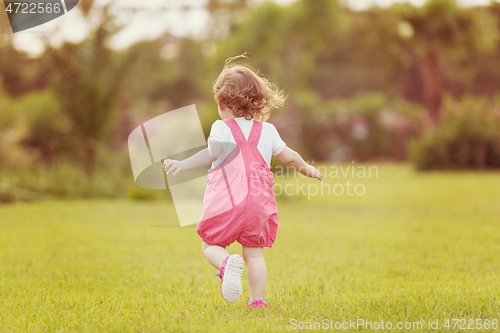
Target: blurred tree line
361 84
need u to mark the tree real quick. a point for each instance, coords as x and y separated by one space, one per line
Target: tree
437 26
87 78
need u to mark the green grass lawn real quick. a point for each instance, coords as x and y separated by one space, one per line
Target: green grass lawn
416 247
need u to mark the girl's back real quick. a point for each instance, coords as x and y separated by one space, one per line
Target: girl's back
270 142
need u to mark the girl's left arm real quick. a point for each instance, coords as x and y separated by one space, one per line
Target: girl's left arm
200 159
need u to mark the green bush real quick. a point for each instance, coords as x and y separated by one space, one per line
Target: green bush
48 131
60 180
12 131
468 137
138 193
39 158
65 179
365 127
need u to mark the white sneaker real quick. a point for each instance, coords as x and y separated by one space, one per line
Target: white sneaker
230 273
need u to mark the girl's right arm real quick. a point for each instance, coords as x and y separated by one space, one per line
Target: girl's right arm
200 159
295 161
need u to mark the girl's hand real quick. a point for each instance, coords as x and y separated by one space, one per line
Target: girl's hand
174 166
315 173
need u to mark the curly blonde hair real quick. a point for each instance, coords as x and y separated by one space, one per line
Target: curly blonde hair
247 93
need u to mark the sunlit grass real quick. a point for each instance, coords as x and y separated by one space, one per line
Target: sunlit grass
415 247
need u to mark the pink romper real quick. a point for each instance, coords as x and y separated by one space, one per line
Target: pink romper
239 203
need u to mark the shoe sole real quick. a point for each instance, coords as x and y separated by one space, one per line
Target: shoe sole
231 284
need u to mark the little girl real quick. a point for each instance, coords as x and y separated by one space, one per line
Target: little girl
239 203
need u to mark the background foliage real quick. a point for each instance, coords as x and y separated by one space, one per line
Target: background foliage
361 86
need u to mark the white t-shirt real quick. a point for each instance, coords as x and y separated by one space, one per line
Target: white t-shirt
270 142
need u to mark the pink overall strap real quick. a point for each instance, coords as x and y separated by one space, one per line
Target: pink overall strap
235 130
238 135
254 136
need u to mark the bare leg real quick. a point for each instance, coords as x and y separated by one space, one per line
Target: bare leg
256 271
215 254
